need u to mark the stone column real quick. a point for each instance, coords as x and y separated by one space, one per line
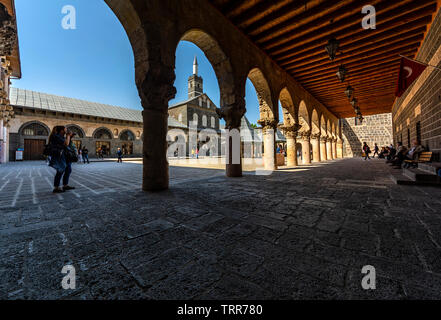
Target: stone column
315 141
291 144
232 114
156 89
269 143
334 148
340 148
329 148
306 147
323 151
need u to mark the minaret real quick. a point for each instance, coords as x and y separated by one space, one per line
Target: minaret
195 66
195 83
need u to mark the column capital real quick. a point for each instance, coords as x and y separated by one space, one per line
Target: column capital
316 136
268 124
323 139
291 131
305 135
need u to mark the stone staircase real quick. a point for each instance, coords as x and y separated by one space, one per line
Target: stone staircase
424 175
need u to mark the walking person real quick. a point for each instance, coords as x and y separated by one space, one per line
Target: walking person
376 151
59 141
197 153
366 151
192 153
85 154
119 154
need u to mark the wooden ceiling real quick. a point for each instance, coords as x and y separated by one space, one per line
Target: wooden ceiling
294 34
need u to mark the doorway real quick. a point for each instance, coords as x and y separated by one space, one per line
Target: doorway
33 149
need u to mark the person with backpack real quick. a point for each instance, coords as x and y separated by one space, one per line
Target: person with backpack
61 157
85 154
119 154
366 151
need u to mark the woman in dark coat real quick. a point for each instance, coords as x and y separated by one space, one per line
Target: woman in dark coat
59 140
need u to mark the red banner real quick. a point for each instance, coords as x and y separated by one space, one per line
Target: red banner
409 71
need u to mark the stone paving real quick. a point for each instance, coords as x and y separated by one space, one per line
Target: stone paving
296 234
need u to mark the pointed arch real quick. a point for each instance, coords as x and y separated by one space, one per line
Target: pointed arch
304 120
263 91
218 60
315 123
288 109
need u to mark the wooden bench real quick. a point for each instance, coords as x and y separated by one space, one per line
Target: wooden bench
423 157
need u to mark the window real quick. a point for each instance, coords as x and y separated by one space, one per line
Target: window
102 134
204 120
35 129
213 122
180 117
208 103
408 138
127 136
418 131
195 118
76 130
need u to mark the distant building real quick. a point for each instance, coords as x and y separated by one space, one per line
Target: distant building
106 127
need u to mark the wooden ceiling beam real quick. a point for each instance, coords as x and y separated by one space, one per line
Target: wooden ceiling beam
351 26
352 55
358 65
352 40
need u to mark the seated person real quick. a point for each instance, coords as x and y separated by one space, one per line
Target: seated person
414 152
400 155
383 153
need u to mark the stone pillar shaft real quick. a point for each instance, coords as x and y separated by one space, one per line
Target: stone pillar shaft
269 149
329 150
323 151
306 149
340 149
291 145
315 141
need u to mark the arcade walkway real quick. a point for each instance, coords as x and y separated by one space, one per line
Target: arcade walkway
297 234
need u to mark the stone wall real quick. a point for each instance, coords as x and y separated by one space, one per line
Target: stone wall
374 129
417 114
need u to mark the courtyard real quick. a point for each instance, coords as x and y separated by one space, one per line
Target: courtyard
301 233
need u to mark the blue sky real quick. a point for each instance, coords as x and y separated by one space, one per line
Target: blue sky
95 61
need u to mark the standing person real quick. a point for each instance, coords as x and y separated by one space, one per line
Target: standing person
197 153
59 140
192 153
100 153
85 154
376 151
119 153
80 155
366 151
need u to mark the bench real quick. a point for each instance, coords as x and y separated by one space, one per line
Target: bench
423 157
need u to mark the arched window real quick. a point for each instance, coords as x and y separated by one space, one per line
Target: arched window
208 103
78 132
213 122
180 117
103 133
127 135
115 132
200 102
35 129
195 118
204 120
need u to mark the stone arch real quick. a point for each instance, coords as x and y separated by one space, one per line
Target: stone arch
315 123
102 133
127 135
218 60
304 117
36 124
263 91
288 108
329 128
77 129
323 128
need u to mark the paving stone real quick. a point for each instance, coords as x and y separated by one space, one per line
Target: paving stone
291 235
